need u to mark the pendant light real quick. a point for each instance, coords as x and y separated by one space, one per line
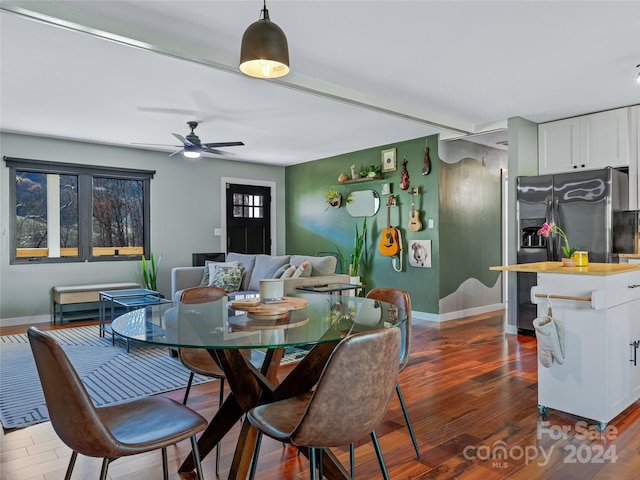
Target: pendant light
264 52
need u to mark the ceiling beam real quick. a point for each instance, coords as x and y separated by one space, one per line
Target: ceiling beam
108 29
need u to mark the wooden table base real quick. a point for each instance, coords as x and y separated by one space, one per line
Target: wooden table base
251 387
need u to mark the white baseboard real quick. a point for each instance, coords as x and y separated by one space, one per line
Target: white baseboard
511 329
11 322
415 315
468 312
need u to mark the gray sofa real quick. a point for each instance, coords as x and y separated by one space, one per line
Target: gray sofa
258 267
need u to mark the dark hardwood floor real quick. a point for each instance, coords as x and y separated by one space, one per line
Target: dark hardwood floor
471 394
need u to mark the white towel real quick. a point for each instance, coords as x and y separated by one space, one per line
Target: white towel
550 335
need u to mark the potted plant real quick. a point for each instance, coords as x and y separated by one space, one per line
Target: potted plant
150 272
373 170
358 250
332 197
568 251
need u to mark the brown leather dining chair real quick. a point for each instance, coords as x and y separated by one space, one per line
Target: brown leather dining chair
349 400
400 298
112 431
198 360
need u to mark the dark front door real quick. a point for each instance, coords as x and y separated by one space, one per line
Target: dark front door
248 219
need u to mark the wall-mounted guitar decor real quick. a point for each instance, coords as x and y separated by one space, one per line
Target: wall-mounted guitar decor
404 176
427 162
415 225
390 241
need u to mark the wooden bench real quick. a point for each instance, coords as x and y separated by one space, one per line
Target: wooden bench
81 301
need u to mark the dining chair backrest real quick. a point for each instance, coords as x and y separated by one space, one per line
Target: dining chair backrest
198 359
71 411
402 299
353 392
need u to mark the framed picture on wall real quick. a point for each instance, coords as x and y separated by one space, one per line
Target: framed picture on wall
389 163
420 253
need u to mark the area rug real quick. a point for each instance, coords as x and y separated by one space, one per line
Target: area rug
109 373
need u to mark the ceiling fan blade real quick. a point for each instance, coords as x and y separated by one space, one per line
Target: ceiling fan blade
179 151
157 144
217 152
222 144
172 111
183 140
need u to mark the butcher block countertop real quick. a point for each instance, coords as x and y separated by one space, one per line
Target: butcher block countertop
556 267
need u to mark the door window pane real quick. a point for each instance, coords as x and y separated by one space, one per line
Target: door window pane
248 206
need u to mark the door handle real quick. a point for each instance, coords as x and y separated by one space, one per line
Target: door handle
635 346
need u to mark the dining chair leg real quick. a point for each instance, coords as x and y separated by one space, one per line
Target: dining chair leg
196 458
186 393
256 454
383 467
312 463
220 400
406 417
72 463
103 470
320 468
352 460
165 464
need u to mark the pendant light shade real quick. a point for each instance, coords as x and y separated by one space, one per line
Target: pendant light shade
264 52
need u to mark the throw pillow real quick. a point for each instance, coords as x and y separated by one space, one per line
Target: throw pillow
280 271
247 260
265 267
227 278
289 271
209 268
320 265
303 270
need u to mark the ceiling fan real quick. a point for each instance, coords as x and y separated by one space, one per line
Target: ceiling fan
192 147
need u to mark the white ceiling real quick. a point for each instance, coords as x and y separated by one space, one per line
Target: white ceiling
364 74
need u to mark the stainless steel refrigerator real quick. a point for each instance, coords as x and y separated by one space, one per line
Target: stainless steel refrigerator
582 204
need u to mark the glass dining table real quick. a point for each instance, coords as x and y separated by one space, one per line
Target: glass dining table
228 328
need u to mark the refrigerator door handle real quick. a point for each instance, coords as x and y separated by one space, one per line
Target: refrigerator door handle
557 242
549 218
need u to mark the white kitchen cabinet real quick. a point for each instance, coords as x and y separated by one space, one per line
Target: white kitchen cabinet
634 352
598 379
588 142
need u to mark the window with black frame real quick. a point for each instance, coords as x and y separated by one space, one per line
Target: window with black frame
66 212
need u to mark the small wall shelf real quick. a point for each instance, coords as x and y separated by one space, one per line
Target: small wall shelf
361 179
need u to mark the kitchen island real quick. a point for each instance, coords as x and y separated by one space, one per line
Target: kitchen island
598 307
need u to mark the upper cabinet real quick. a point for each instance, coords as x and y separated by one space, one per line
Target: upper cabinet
584 143
634 155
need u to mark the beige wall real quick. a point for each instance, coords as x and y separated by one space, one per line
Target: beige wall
185 210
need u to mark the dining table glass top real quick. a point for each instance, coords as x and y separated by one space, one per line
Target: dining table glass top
303 320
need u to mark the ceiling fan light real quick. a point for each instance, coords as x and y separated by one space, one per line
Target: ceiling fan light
191 152
264 52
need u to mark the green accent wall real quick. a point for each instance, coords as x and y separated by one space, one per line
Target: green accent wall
470 223
312 226
462 195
